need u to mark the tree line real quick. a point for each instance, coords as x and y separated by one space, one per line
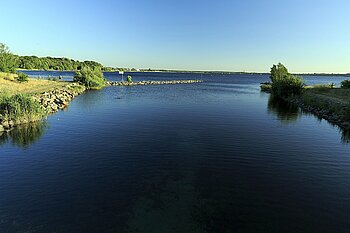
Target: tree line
10 62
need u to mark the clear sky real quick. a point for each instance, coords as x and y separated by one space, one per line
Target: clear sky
246 35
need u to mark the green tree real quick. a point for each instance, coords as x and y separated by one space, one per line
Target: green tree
285 84
278 71
8 61
129 79
91 78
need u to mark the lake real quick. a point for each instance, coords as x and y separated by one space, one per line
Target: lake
218 156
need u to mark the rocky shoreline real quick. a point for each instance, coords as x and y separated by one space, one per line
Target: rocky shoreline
325 114
51 101
168 82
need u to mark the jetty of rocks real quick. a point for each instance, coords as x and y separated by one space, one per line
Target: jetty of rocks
165 82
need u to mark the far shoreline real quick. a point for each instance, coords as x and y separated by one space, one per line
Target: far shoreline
196 72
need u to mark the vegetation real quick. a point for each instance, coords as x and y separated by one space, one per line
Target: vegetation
9 84
19 108
345 84
323 87
278 71
22 77
129 79
285 84
333 100
8 61
91 78
52 63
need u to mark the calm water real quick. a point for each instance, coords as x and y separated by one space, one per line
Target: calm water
214 157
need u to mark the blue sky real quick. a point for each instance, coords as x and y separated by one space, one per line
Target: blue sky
250 35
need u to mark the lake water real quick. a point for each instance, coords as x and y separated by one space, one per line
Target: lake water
215 157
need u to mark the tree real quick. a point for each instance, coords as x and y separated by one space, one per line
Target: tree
278 71
8 61
91 78
129 79
285 84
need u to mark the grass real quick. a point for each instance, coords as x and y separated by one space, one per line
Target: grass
10 85
19 108
17 105
334 100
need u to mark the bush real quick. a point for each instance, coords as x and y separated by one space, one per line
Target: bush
278 71
283 83
8 61
129 79
22 77
91 78
287 86
345 84
323 87
20 107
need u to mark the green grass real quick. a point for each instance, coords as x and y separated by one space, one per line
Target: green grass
266 87
19 108
334 100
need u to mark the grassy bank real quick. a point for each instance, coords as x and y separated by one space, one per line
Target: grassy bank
328 101
22 101
325 101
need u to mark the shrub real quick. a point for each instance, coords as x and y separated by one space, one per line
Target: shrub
129 79
323 87
91 78
287 86
20 107
22 77
8 61
345 84
278 71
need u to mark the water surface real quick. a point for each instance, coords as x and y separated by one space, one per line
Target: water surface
218 156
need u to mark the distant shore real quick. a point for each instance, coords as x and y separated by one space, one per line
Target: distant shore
194 72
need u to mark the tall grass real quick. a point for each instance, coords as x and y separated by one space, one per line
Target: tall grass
19 108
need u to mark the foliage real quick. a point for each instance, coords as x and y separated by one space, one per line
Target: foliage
278 71
8 61
323 87
19 107
346 112
129 79
283 83
52 63
287 86
22 77
265 87
345 84
91 78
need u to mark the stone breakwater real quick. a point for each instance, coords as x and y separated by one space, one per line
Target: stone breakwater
322 113
55 100
51 102
168 82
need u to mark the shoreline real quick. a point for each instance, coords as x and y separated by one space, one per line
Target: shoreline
320 103
51 102
327 114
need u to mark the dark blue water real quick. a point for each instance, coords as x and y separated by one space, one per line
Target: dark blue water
219 156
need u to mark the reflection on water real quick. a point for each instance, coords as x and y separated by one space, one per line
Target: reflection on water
285 111
345 135
290 113
24 135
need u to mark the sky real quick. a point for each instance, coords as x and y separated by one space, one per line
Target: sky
229 35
